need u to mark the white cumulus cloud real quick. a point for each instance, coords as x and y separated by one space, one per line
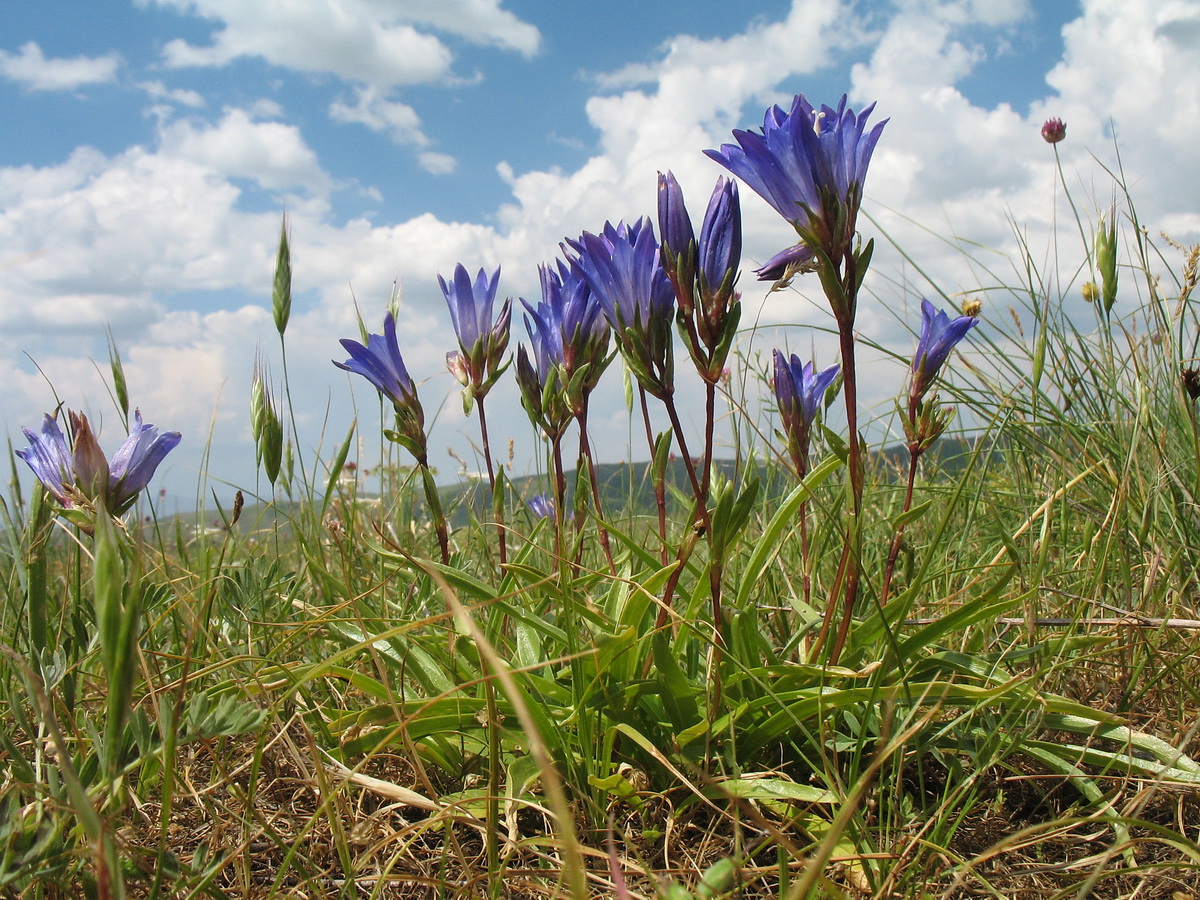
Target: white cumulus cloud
358 40
30 67
273 154
398 120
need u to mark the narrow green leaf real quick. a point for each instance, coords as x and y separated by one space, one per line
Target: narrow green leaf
677 694
767 548
911 515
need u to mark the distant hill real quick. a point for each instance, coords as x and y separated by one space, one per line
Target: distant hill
624 486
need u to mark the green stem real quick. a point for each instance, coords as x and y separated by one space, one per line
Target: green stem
913 457
660 491
287 390
498 509
585 453
851 558
435 508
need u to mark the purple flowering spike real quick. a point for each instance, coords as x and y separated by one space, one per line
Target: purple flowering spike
810 166
50 459
135 461
381 364
939 335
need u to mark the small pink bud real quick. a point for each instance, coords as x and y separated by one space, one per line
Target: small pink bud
1054 131
458 367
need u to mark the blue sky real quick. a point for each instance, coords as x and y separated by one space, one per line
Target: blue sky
151 147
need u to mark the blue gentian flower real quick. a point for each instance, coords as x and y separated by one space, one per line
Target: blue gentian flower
703 273
810 166
799 388
622 268
799 393
481 341
541 388
81 475
678 240
135 461
541 506
568 328
51 460
545 335
939 335
719 251
379 361
785 264
569 336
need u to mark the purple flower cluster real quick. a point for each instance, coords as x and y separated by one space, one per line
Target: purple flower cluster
703 272
79 475
622 269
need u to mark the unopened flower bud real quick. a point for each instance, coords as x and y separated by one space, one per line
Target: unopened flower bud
1053 131
1191 382
458 367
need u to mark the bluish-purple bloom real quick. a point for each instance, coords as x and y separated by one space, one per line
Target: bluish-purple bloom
51 460
678 240
545 335
380 362
541 506
569 324
81 474
622 268
569 336
703 273
939 335
781 267
134 463
719 250
810 166
799 392
481 341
